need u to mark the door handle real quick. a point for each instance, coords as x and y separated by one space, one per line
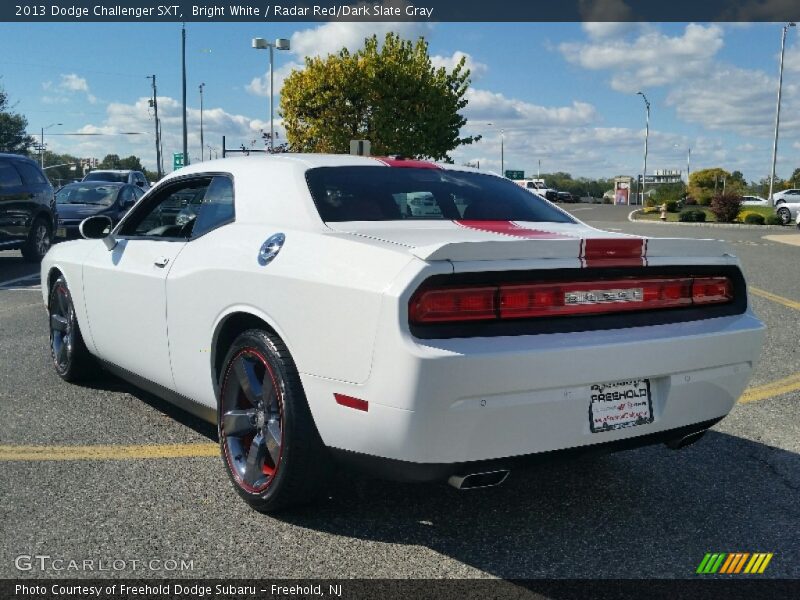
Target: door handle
161 262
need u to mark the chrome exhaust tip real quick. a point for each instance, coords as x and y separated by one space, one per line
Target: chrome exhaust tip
686 440
475 481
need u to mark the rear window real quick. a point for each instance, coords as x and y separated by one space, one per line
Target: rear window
396 194
107 176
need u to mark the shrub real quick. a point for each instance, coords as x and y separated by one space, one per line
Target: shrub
672 205
607 200
726 207
753 218
649 210
689 201
650 201
704 201
773 220
692 215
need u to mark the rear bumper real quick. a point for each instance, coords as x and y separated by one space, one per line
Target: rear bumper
448 402
400 470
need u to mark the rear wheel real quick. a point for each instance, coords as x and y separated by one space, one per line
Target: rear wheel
269 443
38 242
785 215
70 356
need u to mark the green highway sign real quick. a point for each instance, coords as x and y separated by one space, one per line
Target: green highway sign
515 174
177 160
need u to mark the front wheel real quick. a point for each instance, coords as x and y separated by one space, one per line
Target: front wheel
70 356
269 443
784 215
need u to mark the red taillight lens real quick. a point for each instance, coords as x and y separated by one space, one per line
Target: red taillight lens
453 304
520 301
711 290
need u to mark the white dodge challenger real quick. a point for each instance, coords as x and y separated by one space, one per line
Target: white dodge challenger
305 305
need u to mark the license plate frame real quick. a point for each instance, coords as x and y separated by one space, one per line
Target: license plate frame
620 404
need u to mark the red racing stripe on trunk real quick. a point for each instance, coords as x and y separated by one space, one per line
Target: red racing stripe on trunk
511 229
614 252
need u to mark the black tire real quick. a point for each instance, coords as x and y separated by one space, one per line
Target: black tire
785 215
39 240
269 443
71 359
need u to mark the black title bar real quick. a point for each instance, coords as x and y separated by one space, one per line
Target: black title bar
398 10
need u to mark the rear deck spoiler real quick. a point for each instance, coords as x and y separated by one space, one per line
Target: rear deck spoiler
622 251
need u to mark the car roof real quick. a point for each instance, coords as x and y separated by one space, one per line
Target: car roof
95 184
18 157
113 171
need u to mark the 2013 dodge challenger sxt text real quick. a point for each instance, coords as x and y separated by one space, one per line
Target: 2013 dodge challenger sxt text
309 307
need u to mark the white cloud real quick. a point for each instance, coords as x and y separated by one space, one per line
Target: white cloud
493 107
259 86
138 117
651 59
71 82
477 69
335 35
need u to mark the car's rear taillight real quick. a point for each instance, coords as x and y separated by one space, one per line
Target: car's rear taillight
565 298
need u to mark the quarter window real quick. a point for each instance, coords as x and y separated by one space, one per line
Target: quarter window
215 208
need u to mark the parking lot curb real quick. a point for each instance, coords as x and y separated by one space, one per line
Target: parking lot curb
632 219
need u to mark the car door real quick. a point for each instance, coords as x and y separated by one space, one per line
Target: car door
15 205
125 287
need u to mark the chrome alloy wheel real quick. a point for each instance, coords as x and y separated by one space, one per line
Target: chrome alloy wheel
62 317
251 428
41 239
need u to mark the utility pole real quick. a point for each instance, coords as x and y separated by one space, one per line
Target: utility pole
183 62
646 138
202 147
502 152
154 104
778 114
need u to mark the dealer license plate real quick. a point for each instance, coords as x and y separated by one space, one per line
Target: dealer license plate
61 232
620 404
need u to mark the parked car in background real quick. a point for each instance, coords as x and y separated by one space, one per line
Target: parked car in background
754 201
567 197
788 210
789 196
78 201
136 178
538 186
321 321
27 207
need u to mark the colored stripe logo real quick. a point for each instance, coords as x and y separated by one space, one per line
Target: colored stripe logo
734 563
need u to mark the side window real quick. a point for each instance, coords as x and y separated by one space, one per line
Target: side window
126 196
30 174
216 207
8 175
159 215
138 192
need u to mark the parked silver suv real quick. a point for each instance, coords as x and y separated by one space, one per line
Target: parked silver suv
136 178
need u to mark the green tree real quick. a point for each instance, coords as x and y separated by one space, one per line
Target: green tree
391 95
706 183
13 137
110 161
669 191
794 180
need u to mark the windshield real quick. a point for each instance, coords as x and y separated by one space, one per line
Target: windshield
87 194
396 194
107 176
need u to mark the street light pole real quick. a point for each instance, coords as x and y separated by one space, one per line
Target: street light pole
502 153
154 104
279 44
778 114
646 139
202 147
41 142
183 62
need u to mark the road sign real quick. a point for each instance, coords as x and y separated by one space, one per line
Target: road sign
177 160
515 174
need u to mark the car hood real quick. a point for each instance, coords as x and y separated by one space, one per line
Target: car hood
503 240
80 211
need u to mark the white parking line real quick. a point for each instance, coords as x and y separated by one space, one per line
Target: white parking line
18 279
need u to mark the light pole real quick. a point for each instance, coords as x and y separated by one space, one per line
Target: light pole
646 139
202 147
502 152
539 170
688 158
41 141
183 88
262 44
778 113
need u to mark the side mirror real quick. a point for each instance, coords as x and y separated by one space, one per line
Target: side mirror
140 184
98 227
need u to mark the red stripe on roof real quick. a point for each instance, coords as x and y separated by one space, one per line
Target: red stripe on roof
614 252
407 163
512 229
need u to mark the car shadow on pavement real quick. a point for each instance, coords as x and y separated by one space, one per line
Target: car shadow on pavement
650 512
13 266
108 382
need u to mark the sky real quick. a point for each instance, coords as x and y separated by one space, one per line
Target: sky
563 93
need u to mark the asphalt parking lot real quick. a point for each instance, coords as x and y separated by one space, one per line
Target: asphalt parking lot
152 485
